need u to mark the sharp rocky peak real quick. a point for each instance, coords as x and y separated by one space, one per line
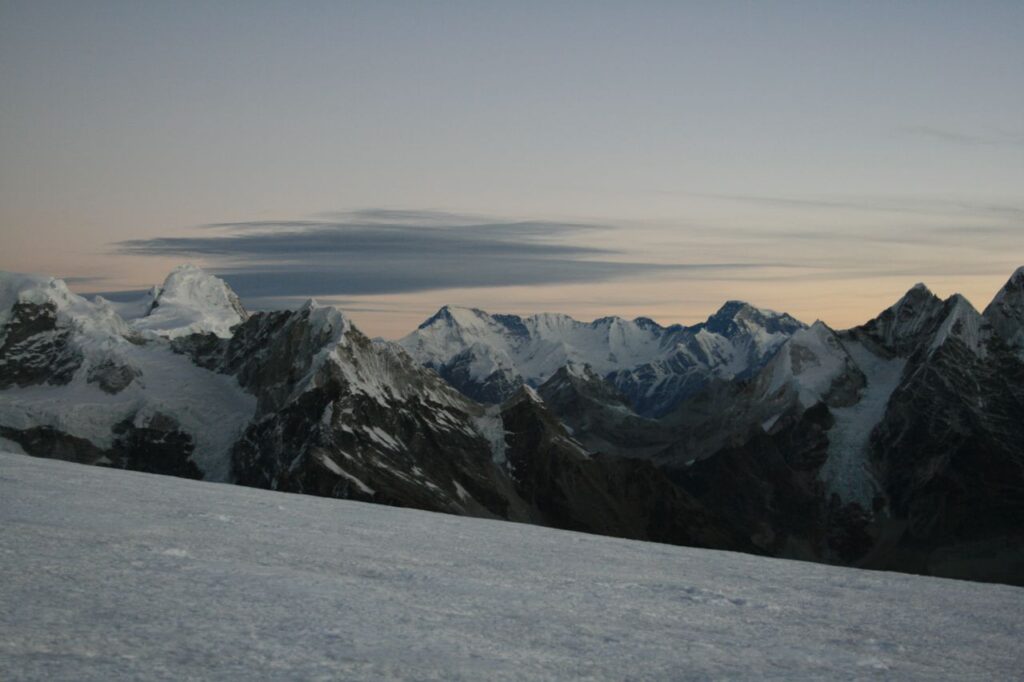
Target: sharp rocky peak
919 318
578 372
451 315
524 393
1006 311
735 315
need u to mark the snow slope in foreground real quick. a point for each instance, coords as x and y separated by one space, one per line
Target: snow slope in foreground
111 574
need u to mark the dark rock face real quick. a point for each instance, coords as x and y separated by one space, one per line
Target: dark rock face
574 490
600 417
155 445
494 389
655 389
906 326
365 423
769 486
1006 313
35 350
112 377
46 441
951 453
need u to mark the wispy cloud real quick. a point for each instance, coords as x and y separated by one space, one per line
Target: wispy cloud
988 137
927 206
385 252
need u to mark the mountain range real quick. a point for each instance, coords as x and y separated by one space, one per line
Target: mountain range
897 444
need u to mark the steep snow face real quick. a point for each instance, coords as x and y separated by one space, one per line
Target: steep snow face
210 407
653 366
1006 312
192 301
963 323
255 584
812 361
847 471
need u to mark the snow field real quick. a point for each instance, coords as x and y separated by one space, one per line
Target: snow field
110 575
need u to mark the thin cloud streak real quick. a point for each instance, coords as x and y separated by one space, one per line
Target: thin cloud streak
990 138
921 206
386 252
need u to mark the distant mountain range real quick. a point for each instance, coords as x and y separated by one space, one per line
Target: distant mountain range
898 444
488 357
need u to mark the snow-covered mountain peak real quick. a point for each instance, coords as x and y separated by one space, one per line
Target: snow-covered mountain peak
17 288
524 393
963 322
737 317
69 308
329 320
581 371
1006 311
192 301
917 295
648 324
811 361
902 326
459 315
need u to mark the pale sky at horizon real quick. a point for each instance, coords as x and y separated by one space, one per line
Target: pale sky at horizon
595 159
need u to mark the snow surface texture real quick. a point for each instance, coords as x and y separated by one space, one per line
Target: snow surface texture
110 574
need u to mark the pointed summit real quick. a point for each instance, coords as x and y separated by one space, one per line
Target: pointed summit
524 394
961 321
192 301
1006 311
736 316
903 326
456 316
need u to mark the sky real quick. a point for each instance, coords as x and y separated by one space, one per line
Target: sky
592 158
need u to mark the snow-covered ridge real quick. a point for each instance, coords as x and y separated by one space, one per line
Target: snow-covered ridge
534 346
190 301
652 364
71 310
